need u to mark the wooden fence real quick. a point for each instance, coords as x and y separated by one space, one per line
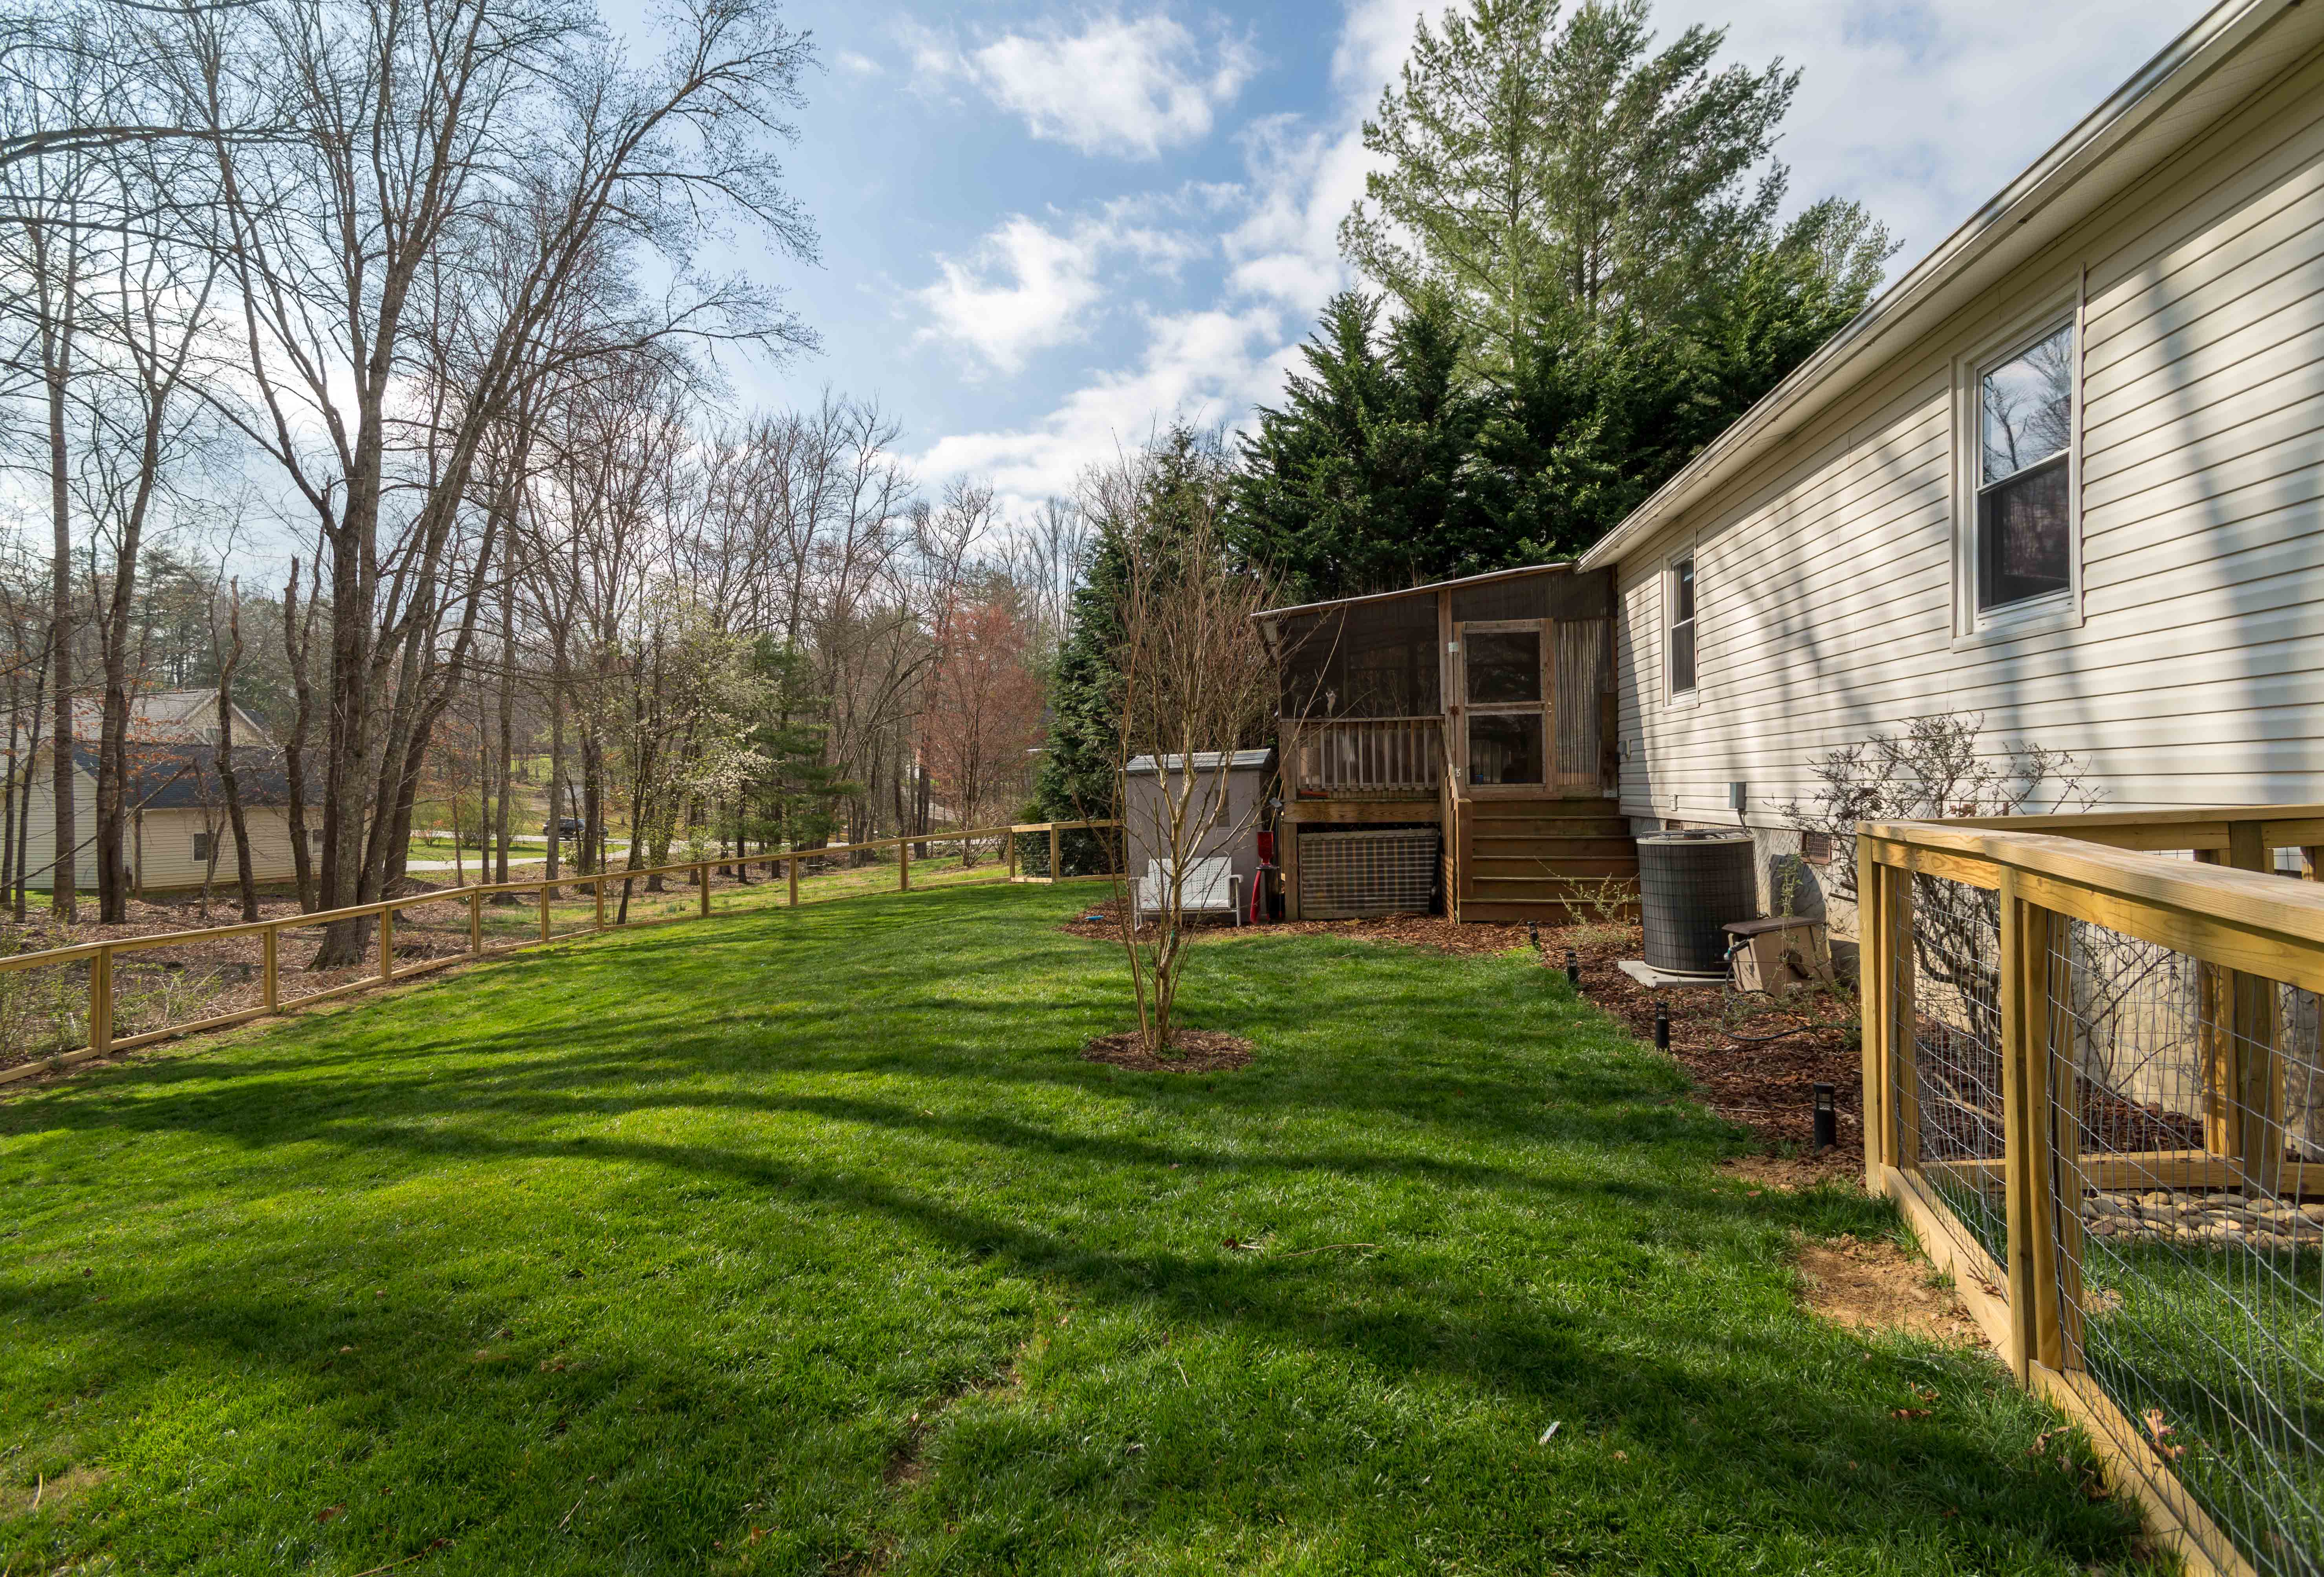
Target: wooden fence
2092 1080
99 957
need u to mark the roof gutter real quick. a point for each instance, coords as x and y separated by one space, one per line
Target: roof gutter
2186 60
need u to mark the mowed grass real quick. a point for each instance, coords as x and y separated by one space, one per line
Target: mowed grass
802 1242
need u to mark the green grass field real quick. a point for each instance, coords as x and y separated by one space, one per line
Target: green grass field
804 1242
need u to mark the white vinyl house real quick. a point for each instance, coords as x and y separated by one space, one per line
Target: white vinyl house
2066 475
179 834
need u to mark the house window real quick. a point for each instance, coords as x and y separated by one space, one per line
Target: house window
1681 626
2024 500
201 848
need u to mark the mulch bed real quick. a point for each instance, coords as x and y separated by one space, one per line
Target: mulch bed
1766 1086
1195 1051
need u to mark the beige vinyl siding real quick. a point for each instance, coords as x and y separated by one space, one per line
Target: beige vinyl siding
2194 673
168 847
41 836
167 863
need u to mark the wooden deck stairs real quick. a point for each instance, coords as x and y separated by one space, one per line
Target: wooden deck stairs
1551 861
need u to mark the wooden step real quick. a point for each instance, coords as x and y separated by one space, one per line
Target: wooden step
1546 826
1575 868
1501 911
1596 848
1542 888
1548 805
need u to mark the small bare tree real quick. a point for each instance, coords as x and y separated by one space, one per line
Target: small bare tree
1194 684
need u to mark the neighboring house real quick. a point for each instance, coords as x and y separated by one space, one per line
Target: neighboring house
179 716
1451 747
2067 473
177 818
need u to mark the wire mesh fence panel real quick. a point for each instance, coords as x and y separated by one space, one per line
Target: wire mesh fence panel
1951 1118
635 901
306 969
43 1010
179 983
428 929
572 910
2187 1105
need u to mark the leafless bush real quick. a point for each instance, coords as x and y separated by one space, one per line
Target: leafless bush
1192 680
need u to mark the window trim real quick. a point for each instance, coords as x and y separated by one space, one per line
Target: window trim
2058 610
1673 696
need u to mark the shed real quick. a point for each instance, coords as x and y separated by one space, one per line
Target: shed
1241 779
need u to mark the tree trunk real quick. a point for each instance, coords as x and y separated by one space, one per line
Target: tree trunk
243 875
56 359
508 735
296 643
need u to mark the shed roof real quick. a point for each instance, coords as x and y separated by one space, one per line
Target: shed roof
1204 761
1430 587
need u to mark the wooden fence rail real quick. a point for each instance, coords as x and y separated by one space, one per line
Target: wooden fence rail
2251 939
100 956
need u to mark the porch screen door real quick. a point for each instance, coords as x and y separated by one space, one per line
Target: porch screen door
1505 689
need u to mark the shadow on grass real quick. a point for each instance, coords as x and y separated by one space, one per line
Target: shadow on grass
1543 1233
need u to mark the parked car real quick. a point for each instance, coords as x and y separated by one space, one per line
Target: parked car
569 827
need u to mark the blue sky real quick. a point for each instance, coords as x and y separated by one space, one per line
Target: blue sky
1046 228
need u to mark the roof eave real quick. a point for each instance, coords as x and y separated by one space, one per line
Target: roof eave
2033 208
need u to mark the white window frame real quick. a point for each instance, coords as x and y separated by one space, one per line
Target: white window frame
2057 610
1672 695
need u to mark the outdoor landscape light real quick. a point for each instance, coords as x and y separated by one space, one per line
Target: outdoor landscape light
1572 967
1827 1119
1662 1024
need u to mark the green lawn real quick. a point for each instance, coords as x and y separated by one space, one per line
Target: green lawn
802 1242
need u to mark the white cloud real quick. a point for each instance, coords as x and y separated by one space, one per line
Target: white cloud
1921 112
857 65
1207 365
1027 287
1121 85
1046 284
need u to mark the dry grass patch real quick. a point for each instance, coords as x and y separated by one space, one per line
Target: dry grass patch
1871 1284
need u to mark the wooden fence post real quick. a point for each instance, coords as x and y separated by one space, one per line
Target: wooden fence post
2063 1091
597 891
903 866
1057 863
702 876
790 872
386 943
476 921
544 911
2017 1172
269 967
101 1002
1873 986
1009 850
1902 1032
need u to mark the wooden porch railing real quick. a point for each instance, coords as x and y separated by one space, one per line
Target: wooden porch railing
2090 1080
1366 757
99 956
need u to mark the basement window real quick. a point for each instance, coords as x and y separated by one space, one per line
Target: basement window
1815 848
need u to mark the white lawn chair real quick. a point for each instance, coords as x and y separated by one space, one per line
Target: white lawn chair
1211 887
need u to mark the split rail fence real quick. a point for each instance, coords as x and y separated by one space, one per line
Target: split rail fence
93 998
2093 1080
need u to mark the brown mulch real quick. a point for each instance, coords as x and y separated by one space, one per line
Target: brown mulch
1196 1051
1768 1086
1880 1286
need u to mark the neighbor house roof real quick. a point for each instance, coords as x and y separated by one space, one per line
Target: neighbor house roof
168 775
176 716
2201 75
